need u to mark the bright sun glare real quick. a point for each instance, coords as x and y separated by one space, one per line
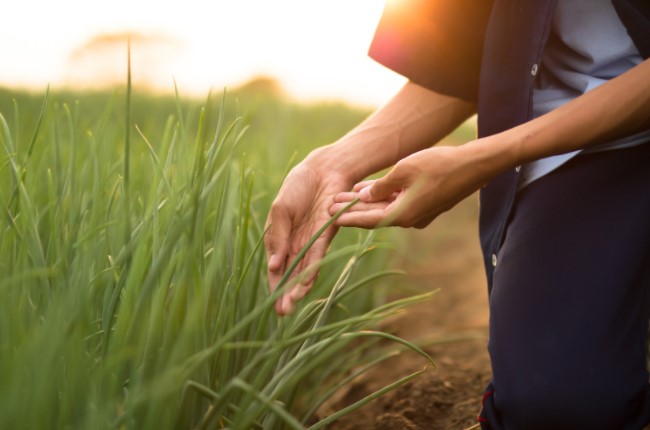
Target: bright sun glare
316 49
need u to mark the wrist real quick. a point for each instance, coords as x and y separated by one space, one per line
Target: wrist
492 155
343 159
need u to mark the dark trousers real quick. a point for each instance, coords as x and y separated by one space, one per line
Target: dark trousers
570 303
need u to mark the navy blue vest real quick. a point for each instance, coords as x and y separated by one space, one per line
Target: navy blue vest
487 51
515 39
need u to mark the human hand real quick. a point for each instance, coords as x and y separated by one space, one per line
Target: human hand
299 210
418 189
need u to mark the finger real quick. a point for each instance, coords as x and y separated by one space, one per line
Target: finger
298 292
315 256
276 243
306 274
284 304
287 305
274 280
382 188
278 306
363 219
359 207
310 265
276 274
345 197
363 184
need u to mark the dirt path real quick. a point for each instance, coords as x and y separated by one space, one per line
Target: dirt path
446 255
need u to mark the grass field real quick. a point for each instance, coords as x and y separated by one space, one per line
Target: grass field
133 292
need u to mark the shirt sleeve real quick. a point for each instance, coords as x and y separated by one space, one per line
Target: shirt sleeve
437 44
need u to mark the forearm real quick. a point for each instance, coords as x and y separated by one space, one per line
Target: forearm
414 119
617 108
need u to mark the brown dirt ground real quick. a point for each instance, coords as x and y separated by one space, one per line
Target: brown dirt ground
445 255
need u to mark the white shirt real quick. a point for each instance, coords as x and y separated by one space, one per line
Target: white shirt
587 46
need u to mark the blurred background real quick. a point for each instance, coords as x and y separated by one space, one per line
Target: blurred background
316 49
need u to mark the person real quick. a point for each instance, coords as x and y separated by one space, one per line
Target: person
562 162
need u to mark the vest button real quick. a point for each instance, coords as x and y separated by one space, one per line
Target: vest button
517 169
533 71
494 260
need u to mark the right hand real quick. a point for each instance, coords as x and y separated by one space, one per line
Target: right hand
300 209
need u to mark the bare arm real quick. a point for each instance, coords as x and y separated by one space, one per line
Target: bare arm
413 120
620 106
447 175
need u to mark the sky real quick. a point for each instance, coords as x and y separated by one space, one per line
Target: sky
317 49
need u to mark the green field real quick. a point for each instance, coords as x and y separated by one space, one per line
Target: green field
133 292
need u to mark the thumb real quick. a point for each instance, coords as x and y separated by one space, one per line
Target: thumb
276 242
383 188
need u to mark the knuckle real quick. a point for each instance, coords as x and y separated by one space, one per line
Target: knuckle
404 165
403 173
402 222
278 208
408 221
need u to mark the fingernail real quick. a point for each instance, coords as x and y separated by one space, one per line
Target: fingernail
287 308
274 263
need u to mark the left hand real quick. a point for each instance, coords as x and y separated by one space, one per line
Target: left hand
415 191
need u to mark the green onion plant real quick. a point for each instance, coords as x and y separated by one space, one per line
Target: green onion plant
133 292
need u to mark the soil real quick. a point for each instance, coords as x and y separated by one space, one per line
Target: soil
453 326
